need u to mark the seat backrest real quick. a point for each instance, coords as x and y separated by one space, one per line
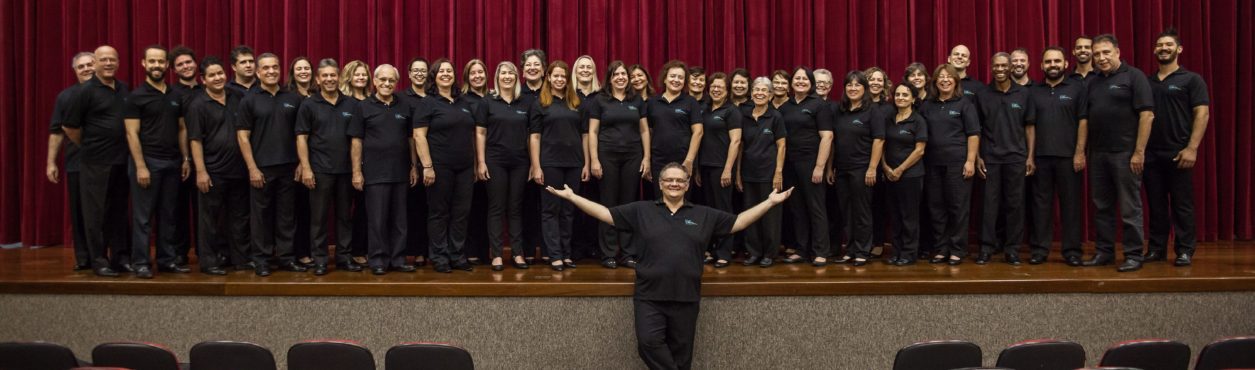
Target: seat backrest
227 355
330 355
427 356
938 355
1043 354
36 356
982 368
1148 354
134 355
1228 353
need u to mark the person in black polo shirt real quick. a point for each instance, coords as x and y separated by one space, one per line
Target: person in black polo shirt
961 59
158 162
618 148
585 231
1019 67
444 136
673 235
1083 51
265 130
906 135
417 197
533 64
245 68
719 154
1006 157
697 85
383 167
221 176
739 88
84 66
322 144
1121 106
808 119
675 121
501 151
556 151
94 123
1181 113
953 141
183 63
1060 156
760 171
860 143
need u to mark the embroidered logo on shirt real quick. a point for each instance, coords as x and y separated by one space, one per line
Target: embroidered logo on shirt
520 112
1175 88
680 111
346 114
717 118
174 103
289 106
968 92
631 108
399 116
807 111
1064 97
1016 106
857 122
1115 87
954 113
688 222
466 111
905 132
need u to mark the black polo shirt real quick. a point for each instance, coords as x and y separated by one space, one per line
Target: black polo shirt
450 129
409 97
972 89
1058 115
1084 80
671 126
99 110
670 247
855 131
758 143
186 93
804 120
1175 99
212 123
158 114
1003 138
528 91
1114 102
716 125
900 140
60 110
327 126
237 87
507 124
271 122
561 132
619 128
950 123
385 132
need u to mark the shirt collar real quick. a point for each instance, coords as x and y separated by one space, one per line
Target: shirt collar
661 203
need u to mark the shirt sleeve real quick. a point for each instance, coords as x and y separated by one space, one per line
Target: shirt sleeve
1143 96
878 131
357 124
59 111
195 122
132 109
1030 111
1082 102
535 115
422 114
592 109
246 115
734 119
481 113
721 222
626 217
695 113
921 130
1198 92
824 117
76 111
971 120
303 118
777 125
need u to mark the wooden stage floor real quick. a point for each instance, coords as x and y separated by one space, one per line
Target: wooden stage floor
1224 266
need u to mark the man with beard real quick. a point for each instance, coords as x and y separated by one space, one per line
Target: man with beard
154 135
245 67
961 58
1121 106
1060 150
1083 50
183 61
84 65
1019 67
1006 157
94 122
1181 112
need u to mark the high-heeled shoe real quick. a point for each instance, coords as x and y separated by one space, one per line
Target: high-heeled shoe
940 258
520 266
955 261
497 265
859 262
558 266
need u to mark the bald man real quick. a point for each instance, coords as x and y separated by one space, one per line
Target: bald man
961 58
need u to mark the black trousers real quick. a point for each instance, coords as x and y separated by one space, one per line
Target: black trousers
586 230
718 197
361 235
505 208
810 212
620 184
1113 183
154 203
533 235
855 199
477 235
665 332
416 214
904 203
448 206
331 191
556 215
387 223
1003 201
300 238
81 256
186 212
1055 178
272 214
103 190
949 204
1170 197
762 238
881 218
223 223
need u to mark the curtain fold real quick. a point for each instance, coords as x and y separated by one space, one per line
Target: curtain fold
37 38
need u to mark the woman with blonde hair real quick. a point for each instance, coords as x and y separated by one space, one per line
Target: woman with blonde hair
355 80
502 160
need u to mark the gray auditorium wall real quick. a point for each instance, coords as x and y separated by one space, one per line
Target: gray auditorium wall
835 332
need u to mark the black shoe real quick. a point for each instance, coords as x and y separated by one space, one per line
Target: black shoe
143 272
106 272
262 270
721 264
569 264
955 262
765 262
520 266
792 259
82 267
1099 260
293 267
126 267
859 262
609 263
903 262
180 260
1037 260
629 263
379 270
817 263
751 261
1011 259
405 268
443 268
420 263
498 267
982 258
844 259
320 270
1183 260
938 259
557 266
213 271
1130 265
349 266
1155 256
1073 261
464 266
174 268
246 266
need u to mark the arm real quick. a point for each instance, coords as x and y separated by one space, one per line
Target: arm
54 147
424 155
821 159
186 168
695 142
912 159
1030 133
1082 135
481 166
355 157
878 148
777 179
645 143
594 163
734 148
413 162
1144 122
202 175
598 211
585 172
749 216
533 154
255 177
142 176
302 151
973 147
1187 156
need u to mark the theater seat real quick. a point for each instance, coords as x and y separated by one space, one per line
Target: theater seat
1043 354
135 355
982 368
330 355
227 355
36 356
938 355
1111 368
427 356
1228 353
1148 354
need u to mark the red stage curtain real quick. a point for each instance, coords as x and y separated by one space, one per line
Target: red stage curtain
39 37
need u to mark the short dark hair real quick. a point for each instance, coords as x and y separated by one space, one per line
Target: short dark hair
530 52
268 55
151 47
179 51
858 77
328 62
238 51
209 61
1002 54
1054 48
1170 32
671 165
1020 50
673 64
697 71
1083 37
1107 37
